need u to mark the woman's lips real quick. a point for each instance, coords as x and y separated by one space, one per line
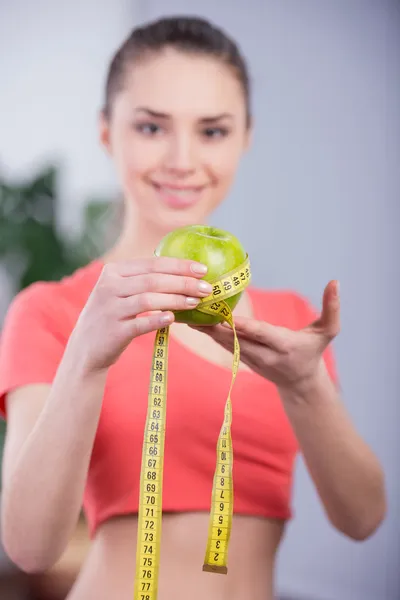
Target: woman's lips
178 196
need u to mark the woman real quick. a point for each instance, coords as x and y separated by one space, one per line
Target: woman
76 356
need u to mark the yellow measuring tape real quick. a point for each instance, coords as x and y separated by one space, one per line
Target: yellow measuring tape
151 477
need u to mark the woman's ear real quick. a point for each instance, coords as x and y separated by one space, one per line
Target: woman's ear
104 132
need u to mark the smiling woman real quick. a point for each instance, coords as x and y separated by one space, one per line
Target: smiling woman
176 122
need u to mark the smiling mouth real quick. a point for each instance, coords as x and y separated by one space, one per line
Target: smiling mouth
177 189
179 196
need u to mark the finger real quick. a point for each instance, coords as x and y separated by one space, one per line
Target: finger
261 332
220 333
148 302
253 354
161 282
162 264
328 324
146 324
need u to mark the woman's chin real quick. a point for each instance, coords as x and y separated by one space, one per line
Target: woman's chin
168 220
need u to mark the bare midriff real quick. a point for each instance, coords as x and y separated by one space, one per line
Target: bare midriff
109 568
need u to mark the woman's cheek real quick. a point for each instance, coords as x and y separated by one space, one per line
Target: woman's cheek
144 156
223 158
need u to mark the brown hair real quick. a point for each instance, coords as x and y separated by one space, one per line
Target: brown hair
192 35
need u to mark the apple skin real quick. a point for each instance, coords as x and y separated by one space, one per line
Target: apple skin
218 249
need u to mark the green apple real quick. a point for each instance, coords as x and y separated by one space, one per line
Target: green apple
218 249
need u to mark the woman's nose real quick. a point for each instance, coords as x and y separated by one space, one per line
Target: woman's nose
181 155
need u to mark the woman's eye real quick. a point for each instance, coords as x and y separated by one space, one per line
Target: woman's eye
212 132
148 128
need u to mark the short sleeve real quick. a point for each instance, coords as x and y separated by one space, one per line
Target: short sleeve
31 348
306 313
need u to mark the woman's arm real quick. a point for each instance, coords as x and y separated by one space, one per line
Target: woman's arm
51 430
50 436
346 473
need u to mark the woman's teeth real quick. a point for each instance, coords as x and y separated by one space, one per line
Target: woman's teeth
179 192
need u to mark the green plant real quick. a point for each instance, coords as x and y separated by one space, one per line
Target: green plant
33 247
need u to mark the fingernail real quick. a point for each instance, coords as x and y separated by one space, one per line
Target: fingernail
199 268
337 288
205 287
166 318
192 301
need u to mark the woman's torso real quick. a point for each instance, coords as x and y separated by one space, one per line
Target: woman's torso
109 568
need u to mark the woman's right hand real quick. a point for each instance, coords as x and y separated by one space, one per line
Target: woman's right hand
112 316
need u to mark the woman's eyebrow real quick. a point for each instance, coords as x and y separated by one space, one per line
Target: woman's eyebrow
161 115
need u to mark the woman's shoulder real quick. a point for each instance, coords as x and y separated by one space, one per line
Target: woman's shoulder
50 295
50 305
37 326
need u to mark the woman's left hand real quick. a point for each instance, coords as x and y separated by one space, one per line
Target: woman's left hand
286 357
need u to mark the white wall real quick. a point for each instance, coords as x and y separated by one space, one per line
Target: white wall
321 188
53 64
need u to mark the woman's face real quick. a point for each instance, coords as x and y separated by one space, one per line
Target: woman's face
176 134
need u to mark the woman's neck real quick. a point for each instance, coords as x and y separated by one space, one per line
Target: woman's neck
137 239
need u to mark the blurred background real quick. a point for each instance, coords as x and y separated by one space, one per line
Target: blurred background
317 198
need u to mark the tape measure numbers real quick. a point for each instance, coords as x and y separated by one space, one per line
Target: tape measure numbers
151 476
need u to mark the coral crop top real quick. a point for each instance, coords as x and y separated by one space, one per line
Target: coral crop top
36 329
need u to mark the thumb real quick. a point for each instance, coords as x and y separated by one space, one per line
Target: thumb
328 324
